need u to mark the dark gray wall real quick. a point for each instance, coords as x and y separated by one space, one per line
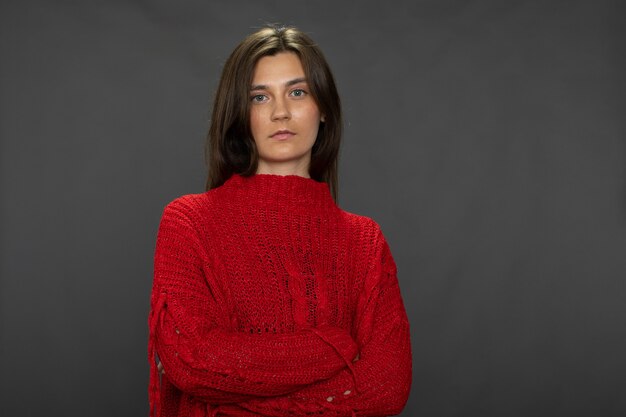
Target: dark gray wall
487 138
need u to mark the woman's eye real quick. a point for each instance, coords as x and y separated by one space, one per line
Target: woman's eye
298 92
258 98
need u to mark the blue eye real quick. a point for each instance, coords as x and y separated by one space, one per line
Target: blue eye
298 92
259 98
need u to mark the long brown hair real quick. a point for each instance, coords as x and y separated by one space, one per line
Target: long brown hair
230 147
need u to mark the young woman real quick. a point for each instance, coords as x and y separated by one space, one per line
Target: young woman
268 299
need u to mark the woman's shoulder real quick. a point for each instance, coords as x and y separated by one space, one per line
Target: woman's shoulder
367 238
188 205
363 225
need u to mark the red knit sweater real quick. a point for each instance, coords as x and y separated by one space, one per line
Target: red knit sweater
269 300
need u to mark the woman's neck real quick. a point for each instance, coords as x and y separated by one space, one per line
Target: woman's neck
299 169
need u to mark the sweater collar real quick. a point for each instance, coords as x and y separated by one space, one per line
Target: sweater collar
281 190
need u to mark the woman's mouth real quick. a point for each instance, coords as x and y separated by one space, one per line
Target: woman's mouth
282 134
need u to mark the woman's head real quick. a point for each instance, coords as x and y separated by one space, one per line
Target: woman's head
231 146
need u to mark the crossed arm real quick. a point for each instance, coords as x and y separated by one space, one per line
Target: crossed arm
312 369
378 383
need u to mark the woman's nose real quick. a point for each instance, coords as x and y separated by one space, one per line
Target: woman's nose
280 110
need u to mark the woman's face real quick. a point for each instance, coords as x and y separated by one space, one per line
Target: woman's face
284 117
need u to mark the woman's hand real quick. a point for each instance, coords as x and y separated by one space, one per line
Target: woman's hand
160 368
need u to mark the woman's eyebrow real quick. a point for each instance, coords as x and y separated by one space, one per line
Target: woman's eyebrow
289 83
295 81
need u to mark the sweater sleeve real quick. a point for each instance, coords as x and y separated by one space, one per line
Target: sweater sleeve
379 382
202 354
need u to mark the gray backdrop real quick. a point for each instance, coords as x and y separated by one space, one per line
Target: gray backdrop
486 137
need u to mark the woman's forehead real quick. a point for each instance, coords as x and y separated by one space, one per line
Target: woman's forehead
277 70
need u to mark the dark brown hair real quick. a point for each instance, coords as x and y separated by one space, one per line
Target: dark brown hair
230 147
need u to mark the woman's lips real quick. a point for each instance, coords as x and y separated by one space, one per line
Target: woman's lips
282 135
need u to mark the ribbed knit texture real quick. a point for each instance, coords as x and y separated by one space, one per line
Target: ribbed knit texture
269 300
